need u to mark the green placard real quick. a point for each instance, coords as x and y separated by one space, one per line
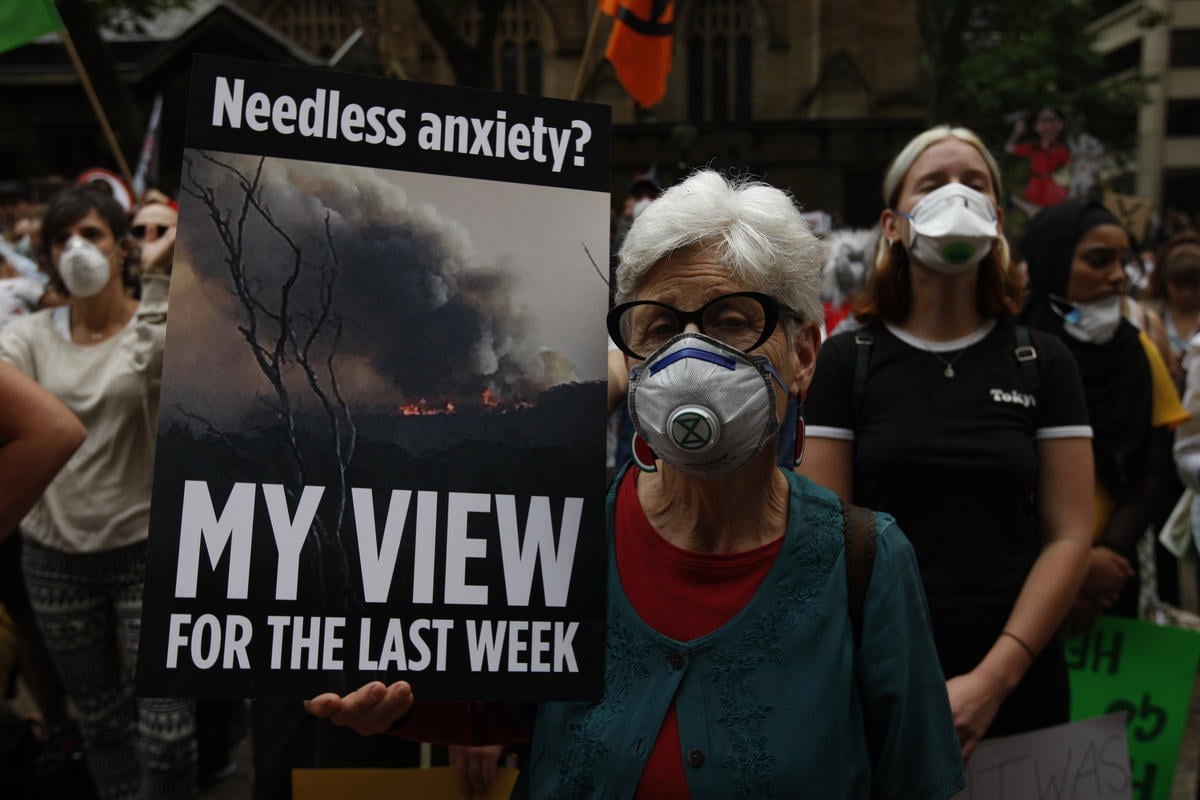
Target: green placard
1148 672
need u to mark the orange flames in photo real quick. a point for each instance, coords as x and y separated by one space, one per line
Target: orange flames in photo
488 400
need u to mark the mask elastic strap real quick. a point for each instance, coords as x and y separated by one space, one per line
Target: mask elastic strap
1072 313
769 368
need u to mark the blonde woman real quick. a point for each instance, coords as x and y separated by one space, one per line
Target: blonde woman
968 429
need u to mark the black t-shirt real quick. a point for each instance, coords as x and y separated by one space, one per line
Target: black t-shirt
953 459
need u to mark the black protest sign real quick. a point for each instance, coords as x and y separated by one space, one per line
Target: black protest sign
381 430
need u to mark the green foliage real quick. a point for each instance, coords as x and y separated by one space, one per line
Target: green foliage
1014 55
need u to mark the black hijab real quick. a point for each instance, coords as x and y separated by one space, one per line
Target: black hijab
1116 374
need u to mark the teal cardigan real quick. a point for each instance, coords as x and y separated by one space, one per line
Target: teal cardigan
776 703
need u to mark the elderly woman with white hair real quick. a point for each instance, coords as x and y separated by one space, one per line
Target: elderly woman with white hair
758 644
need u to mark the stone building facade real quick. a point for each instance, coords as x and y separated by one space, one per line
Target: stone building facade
815 95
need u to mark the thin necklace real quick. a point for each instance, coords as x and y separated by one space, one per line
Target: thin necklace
949 370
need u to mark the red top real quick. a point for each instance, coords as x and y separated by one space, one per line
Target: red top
683 595
1041 188
679 593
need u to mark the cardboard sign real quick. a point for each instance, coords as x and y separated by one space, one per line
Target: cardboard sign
434 783
1145 672
381 435
1133 212
1081 759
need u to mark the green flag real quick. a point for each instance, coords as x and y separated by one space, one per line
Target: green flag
22 21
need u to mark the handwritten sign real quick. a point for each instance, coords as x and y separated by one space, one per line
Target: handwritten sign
1085 759
1146 673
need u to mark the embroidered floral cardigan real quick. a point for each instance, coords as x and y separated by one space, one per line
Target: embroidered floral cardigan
770 704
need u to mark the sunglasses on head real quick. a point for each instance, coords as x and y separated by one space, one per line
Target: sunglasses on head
139 231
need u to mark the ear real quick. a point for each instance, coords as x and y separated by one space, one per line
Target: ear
893 226
805 345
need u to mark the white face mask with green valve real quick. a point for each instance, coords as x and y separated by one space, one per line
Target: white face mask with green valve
952 228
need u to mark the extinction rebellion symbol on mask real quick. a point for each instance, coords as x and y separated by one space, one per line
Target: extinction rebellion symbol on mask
692 430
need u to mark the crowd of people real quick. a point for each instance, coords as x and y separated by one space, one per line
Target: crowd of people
1007 410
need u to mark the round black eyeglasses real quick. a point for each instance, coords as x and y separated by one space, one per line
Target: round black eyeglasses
743 320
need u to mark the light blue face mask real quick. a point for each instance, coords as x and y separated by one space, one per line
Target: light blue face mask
704 407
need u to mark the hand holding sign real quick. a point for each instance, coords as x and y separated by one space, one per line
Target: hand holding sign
974 699
369 710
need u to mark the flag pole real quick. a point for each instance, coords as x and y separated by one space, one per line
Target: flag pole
588 49
96 107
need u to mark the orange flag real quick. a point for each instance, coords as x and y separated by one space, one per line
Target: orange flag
640 46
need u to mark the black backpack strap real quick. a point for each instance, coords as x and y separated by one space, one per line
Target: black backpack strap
859 530
1027 356
862 364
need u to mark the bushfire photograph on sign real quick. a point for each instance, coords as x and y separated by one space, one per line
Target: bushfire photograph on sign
374 410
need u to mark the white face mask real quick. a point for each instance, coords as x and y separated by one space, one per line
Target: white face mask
704 407
952 228
83 267
1094 322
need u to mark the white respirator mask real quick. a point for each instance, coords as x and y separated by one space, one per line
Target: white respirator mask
84 269
704 407
1094 322
952 228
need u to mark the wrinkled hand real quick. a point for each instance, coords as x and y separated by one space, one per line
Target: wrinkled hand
158 255
371 709
1107 575
974 700
475 768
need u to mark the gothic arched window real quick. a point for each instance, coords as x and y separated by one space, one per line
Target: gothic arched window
518 53
720 58
319 26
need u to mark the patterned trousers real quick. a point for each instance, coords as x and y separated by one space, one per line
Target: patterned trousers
88 607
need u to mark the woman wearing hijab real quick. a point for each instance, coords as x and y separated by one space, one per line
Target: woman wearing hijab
1077 253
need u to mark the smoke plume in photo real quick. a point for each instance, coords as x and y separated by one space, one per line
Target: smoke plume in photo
421 313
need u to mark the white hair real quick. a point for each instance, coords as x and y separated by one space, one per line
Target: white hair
755 230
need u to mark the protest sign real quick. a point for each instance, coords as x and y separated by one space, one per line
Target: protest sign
381 433
432 783
1134 212
1077 760
1145 672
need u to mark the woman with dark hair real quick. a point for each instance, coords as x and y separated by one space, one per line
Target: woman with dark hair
1174 292
967 429
85 539
1077 254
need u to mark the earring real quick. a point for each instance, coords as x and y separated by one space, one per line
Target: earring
798 452
643 455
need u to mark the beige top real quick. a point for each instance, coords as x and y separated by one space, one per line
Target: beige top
101 498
